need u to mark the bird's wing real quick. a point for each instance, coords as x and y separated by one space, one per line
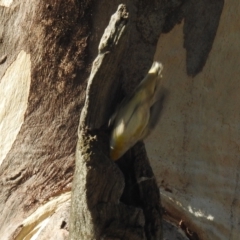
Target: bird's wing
156 110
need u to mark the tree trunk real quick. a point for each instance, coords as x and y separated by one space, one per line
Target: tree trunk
44 64
108 203
42 89
46 51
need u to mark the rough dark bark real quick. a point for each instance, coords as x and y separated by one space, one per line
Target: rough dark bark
106 204
61 39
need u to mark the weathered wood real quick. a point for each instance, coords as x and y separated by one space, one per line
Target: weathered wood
100 207
98 183
103 81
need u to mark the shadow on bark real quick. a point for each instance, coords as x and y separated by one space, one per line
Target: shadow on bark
201 20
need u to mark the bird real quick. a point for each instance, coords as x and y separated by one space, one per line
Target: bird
138 114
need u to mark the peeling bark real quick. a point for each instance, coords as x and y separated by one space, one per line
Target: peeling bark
46 42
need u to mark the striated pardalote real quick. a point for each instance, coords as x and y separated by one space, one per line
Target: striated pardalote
138 114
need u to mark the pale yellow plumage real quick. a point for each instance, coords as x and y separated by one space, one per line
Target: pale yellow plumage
136 115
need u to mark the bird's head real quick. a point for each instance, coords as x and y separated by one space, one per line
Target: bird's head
156 68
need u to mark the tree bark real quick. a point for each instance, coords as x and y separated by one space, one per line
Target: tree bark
43 72
46 52
103 209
